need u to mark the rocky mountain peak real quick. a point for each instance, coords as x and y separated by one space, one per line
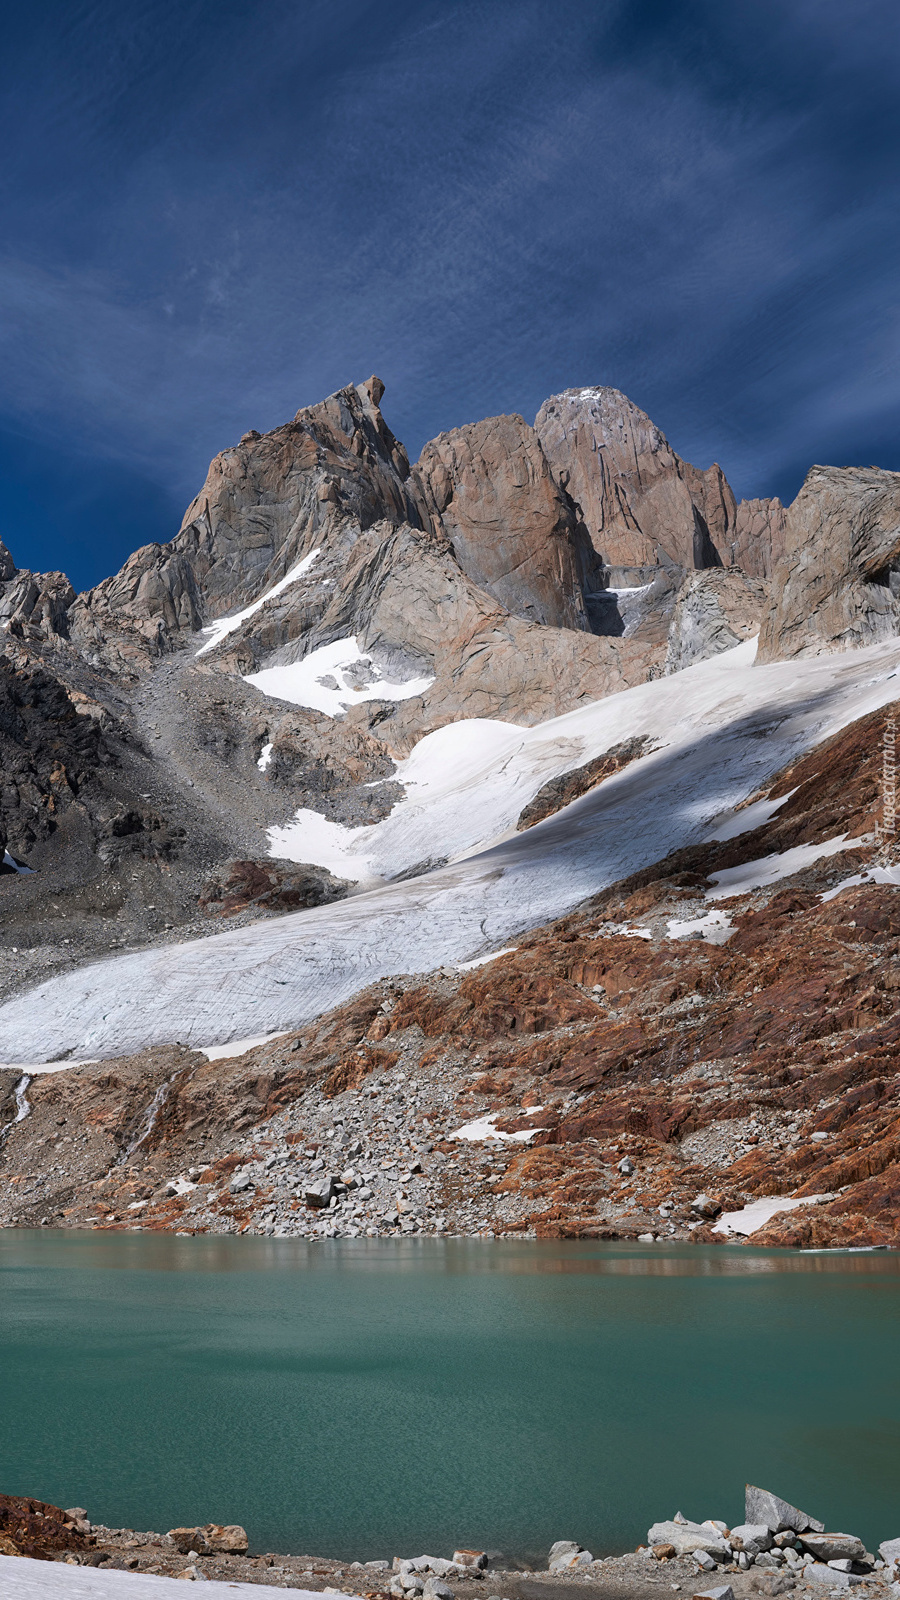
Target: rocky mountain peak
488 488
642 505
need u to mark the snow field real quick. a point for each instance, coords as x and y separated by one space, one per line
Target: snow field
725 727
328 680
755 1215
23 1579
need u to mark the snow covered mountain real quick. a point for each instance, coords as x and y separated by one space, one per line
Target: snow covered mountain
346 672
543 749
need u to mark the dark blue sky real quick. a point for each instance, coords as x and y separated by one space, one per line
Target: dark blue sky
214 213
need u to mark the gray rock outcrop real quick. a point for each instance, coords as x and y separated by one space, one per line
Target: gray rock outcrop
837 586
715 610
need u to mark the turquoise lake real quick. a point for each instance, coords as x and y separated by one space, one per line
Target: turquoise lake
371 1398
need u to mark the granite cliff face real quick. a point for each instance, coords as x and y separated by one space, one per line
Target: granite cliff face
837 585
488 489
642 505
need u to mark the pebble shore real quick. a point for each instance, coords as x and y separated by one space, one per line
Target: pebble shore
778 1549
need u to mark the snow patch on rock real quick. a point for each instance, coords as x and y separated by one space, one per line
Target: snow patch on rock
333 678
222 626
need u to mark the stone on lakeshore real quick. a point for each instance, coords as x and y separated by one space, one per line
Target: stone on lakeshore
563 1547
238 1183
704 1561
664 1552
228 1539
688 1537
834 1546
769 1558
571 1560
818 1572
841 1565
760 1505
889 1549
470 1558
723 1591
626 1165
187 1539
752 1537
317 1196
437 1589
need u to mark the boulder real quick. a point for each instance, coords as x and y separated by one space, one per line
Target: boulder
476 1559
571 1560
752 1537
563 1547
772 1582
889 1551
185 1539
760 1505
818 1572
688 1538
436 1589
228 1539
317 1196
722 1591
834 1546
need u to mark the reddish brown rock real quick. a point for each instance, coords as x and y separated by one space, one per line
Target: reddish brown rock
39 1530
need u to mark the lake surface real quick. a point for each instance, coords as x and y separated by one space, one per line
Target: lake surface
368 1398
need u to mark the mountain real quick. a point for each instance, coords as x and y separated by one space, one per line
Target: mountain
361 719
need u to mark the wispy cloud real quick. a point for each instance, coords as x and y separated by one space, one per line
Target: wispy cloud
219 215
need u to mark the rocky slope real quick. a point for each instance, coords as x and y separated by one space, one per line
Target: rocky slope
638 1068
